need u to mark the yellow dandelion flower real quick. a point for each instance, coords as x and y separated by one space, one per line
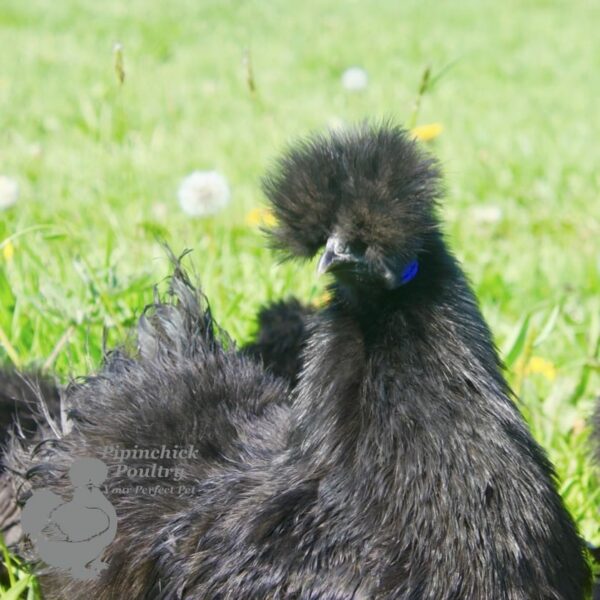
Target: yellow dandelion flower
322 300
537 364
425 133
579 426
8 251
259 217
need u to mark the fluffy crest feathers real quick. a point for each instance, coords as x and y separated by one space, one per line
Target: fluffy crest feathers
371 183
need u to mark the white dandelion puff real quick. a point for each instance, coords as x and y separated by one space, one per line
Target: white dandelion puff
203 193
160 211
487 213
336 124
9 191
355 79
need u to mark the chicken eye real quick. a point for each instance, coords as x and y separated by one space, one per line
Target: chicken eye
357 248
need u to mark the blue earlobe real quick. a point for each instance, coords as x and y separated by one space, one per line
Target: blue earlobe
410 272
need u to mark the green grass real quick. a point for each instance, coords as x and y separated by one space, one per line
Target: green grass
99 164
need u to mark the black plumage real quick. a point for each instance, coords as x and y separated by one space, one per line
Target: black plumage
19 404
25 396
596 430
399 467
19 399
595 550
281 337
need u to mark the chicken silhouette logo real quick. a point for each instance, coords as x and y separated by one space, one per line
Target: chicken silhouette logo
71 535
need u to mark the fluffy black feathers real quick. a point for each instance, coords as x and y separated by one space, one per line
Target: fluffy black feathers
398 467
281 337
372 183
596 430
19 404
19 400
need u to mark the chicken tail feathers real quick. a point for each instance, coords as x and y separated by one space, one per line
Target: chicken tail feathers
181 323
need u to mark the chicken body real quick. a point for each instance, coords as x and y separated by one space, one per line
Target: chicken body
398 467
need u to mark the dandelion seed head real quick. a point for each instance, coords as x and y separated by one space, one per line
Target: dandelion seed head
9 192
203 193
160 210
487 213
336 124
355 79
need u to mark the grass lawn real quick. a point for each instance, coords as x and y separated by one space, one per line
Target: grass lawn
99 163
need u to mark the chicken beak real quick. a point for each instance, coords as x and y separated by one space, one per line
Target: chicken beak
330 257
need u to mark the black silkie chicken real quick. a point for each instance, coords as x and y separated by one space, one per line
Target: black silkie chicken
399 466
277 346
595 551
596 429
19 394
280 339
